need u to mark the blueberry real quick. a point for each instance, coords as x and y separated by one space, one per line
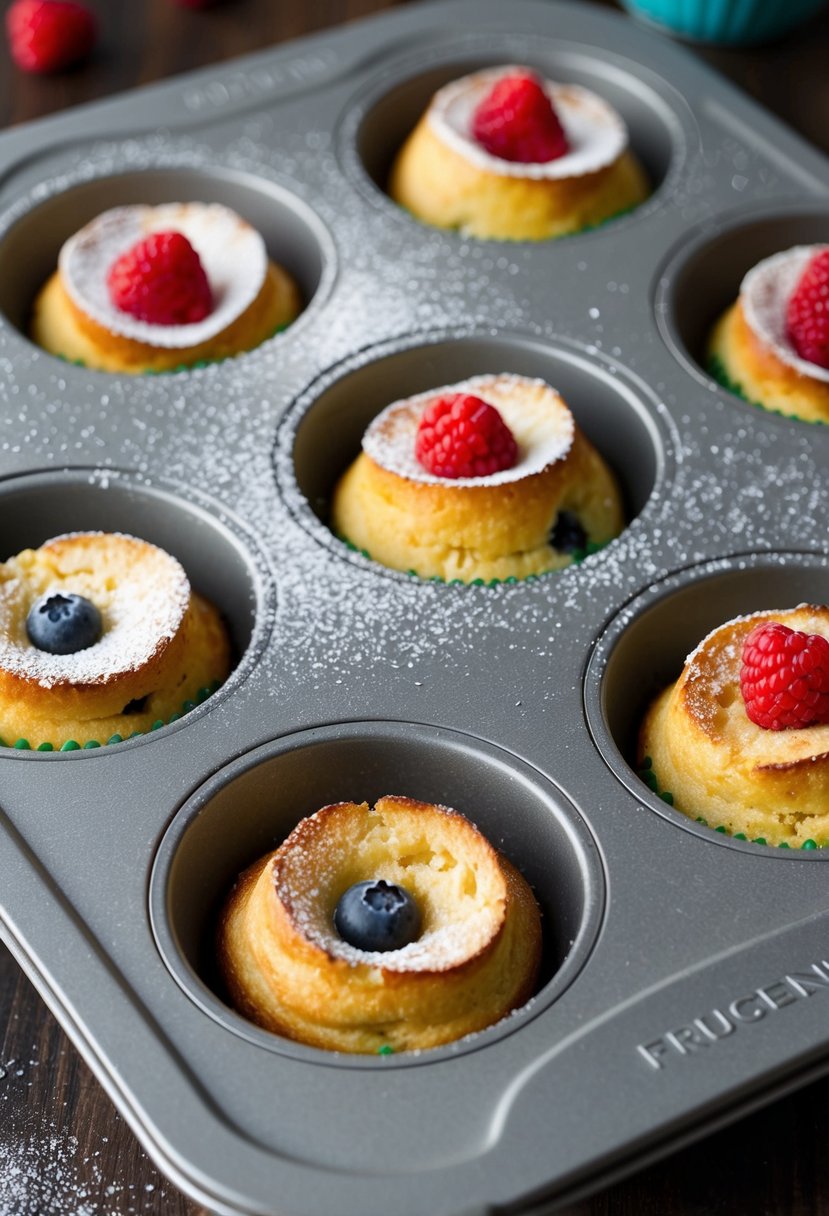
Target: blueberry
63 624
568 536
377 915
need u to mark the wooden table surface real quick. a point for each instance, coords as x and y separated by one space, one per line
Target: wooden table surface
64 1151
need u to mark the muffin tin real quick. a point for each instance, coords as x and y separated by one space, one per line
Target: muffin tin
518 704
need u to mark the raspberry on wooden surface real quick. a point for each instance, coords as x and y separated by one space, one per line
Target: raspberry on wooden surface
516 121
49 35
460 435
807 314
161 280
784 677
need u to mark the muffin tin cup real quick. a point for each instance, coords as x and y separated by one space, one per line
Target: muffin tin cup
365 681
249 808
702 278
320 435
643 650
31 240
222 560
381 117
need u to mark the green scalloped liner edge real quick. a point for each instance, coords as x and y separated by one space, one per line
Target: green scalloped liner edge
23 745
717 371
515 240
646 773
578 557
186 367
617 215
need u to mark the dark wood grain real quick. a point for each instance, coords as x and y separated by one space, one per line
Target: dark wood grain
64 1151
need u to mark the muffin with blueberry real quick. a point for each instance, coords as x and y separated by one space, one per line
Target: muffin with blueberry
101 638
489 479
395 927
507 154
152 289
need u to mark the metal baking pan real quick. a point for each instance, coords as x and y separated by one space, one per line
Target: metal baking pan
517 704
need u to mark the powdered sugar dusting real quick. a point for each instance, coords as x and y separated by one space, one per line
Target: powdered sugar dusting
692 660
714 664
43 1172
439 950
716 659
535 413
711 688
309 870
765 293
595 132
140 614
46 1171
232 253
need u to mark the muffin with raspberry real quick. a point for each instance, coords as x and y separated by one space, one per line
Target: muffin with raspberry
509 155
772 346
153 289
741 740
489 479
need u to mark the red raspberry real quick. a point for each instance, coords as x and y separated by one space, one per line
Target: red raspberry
48 35
161 280
516 121
807 315
462 436
785 677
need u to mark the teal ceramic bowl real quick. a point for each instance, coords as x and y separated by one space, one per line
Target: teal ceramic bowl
728 22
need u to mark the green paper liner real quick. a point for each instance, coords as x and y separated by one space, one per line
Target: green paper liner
645 773
578 555
541 240
23 745
611 219
717 371
185 367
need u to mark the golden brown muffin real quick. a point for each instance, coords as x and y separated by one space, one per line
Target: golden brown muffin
73 316
721 766
476 957
445 178
161 647
750 351
495 527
